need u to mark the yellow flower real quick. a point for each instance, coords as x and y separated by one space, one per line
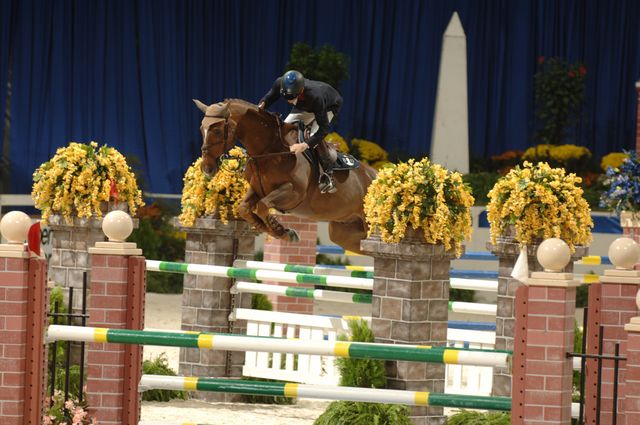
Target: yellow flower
613 160
78 179
337 140
369 152
424 196
540 202
219 195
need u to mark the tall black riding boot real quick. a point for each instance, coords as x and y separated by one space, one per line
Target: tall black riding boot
325 183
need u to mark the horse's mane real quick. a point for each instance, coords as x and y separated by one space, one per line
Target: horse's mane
242 102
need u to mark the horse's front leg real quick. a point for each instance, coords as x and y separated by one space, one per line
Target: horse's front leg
285 194
245 211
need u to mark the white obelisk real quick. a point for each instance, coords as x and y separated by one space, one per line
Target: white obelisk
450 140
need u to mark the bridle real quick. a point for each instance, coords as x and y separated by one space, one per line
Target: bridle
225 135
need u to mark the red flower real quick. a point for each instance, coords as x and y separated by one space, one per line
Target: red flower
540 60
571 74
582 71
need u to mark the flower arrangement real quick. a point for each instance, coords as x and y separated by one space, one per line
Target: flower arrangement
623 193
559 96
571 157
613 160
220 194
370 153
424 196
540 202
505 161
337 140
80 178
66 412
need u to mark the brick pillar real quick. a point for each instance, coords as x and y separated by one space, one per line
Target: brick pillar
638 117
544 331
302 252
116 300
613 304
410 298
23 309
207 301
507 250
632 377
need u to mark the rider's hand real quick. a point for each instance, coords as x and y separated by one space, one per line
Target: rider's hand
298 147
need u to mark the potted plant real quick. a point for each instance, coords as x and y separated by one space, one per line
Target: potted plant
421 198
559 96
217 196
536 202
81 179
622 195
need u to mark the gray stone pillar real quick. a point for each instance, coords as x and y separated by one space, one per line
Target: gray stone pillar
207 301
507 250
69 255
410 298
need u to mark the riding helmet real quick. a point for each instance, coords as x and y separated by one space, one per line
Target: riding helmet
291 84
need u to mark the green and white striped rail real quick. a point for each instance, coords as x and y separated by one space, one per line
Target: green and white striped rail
300 292
473 308
296 268
290 277
229 342
326 392
260 275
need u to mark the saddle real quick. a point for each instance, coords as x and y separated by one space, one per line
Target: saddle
343 161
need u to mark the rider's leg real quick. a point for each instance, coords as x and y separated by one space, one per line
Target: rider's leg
325 182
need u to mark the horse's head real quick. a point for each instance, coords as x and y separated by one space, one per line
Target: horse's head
218 134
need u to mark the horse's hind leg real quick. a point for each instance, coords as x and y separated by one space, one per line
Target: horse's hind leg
348 235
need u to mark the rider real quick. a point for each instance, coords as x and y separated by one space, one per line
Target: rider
315 103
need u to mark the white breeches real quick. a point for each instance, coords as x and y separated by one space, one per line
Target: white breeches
307 118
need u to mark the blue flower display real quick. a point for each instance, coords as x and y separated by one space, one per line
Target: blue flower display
624 186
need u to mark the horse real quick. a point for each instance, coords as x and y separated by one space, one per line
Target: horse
279 179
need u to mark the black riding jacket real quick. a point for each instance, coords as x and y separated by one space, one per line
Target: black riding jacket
317 98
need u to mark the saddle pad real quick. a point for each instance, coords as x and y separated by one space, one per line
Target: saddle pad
346 162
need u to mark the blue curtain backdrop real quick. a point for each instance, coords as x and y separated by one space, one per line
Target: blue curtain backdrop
123 72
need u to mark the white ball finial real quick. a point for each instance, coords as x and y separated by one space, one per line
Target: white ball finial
14 227
117 225
553 254
624 253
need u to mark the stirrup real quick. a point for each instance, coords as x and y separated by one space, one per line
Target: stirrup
325 183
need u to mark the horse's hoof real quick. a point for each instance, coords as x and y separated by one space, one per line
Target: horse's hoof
292 235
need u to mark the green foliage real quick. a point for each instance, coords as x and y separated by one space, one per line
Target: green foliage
160 366
57 296
559 96
465 295
359 413
480 418
481 183
364 373
322 64
577 348
322 259
160 240
261 302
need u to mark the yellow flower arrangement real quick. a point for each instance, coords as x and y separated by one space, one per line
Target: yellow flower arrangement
613 160
540 202
337 140
369 152
80 178
423 195
571 157
220 194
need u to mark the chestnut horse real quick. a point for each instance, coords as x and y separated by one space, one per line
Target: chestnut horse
282 180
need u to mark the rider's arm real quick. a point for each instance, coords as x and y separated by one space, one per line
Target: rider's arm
272 95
